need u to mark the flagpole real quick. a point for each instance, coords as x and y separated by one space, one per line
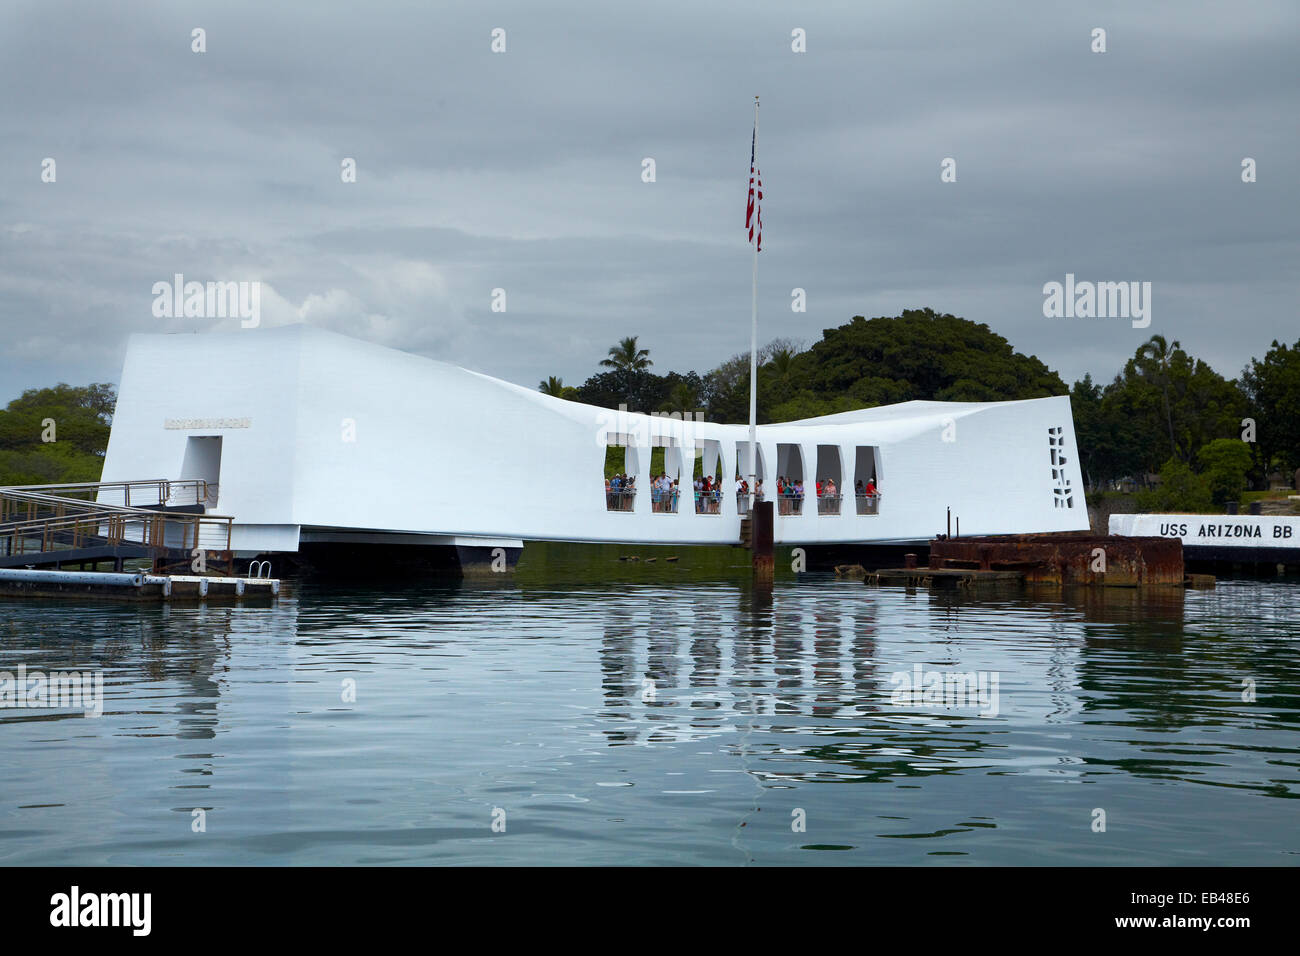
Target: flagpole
753 347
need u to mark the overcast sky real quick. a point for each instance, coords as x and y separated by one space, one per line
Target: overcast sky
522 171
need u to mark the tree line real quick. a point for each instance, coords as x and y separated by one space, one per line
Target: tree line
1166 412
56 435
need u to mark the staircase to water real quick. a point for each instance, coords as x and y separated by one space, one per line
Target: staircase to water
747 532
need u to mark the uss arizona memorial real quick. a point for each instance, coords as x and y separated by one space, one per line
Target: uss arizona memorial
309 437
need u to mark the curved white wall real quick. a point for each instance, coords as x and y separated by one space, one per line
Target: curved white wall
438 449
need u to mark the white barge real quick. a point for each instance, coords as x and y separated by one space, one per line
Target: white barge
1237 539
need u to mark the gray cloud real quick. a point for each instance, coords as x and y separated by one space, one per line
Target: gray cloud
522 171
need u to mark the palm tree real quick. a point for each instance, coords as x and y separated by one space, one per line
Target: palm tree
627 357
682 399
782 363
1160 352
552 386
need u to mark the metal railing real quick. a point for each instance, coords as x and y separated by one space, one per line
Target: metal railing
154 531
150 493
828 504
620 500
34 520
708 502
664 502
789 504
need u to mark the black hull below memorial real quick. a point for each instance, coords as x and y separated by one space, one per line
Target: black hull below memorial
370 561
1206 558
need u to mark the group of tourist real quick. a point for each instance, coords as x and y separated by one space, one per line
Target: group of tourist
791 487
708 495
868 496
664 492
620 492
789 495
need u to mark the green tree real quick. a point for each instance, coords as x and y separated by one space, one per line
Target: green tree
1153 359
1224 463
1180 490
917 355
555 387
725 390
806 405
782 363
682 397
922 354
1272 389
1091 434
1163 402
626 357
56 435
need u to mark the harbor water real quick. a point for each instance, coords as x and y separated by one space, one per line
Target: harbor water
592 710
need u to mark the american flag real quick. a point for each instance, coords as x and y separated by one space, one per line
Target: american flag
754 209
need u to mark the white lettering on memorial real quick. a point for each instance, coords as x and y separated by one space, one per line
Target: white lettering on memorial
207 423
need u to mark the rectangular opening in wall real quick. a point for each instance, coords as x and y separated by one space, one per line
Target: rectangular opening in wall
706 478
829 478
790 479
743 473
866 480
620 472
202 463
666 473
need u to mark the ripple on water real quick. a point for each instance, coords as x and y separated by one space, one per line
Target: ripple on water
672 722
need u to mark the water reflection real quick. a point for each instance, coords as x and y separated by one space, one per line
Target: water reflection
699 715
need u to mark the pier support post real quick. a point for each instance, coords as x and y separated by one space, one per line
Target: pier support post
762 544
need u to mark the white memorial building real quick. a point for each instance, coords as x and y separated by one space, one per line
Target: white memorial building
308 436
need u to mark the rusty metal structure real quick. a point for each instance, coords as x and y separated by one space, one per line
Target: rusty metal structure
1067 559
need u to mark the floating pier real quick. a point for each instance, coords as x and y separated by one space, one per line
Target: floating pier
139 586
